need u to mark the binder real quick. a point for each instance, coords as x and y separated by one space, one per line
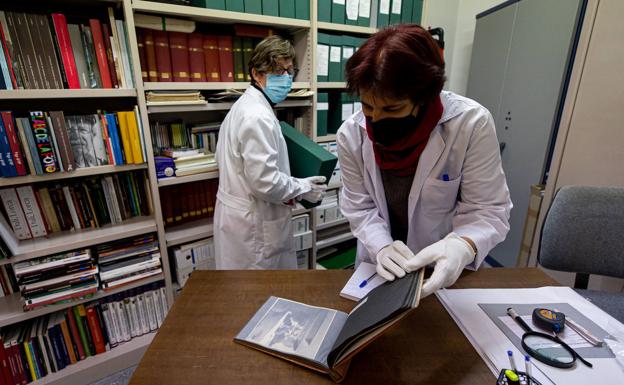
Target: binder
383 13
253 6
338 11
395 12
237 48
235 5
348 49
287 8
334 114
213 4
406 11
322 108
364 11
417 12
335 58
306 157
322 60
324 10
351 12
302 9
270 7
226 60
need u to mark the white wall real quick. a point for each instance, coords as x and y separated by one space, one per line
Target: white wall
457 17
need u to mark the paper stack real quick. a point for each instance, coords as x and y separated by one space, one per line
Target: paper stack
173 98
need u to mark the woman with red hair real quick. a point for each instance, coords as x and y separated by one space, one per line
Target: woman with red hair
421 168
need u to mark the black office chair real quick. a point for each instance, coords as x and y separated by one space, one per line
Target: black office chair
583 233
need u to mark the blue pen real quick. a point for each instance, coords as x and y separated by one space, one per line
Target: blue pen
365 282
445 177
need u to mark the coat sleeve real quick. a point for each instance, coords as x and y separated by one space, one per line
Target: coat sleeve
484 208
259 149
356 202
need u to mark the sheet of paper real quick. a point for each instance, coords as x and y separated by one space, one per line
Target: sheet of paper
352 289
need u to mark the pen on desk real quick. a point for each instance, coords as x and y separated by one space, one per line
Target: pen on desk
365 282
586 334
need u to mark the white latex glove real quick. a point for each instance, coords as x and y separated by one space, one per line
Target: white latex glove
317 188
450 256
392 259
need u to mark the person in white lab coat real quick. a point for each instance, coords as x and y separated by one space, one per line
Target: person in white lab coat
252 221
421 168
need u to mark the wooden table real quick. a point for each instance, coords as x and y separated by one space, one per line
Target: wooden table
195 344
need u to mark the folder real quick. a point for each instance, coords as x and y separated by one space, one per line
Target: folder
417 12
237 48
383 13
253 6
351 12
213 4
395 12
306 157
322 108
322 60
287 8
302 9
334 114
270 7
324 10
235 5
348 49
364 11
226 62
335 57
338 11
406 11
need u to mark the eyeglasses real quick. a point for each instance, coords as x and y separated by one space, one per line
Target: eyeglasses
292 71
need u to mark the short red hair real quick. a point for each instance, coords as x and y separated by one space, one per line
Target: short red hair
398 62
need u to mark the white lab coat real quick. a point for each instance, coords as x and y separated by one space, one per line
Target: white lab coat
463 145
252 228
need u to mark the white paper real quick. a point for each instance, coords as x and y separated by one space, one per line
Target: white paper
322 106
357 106
396 7
492 344
352 9
334 55
347 52
347 111
322 64
341 2
365 8
384 7
352 289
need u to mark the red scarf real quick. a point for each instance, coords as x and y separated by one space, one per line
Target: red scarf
401 158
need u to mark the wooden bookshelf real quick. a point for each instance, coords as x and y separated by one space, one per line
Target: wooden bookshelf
189 232
346 28
78 173
68 94
187 179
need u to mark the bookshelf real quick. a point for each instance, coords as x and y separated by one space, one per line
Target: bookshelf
218 107
67 94
187 179
78 173
189 232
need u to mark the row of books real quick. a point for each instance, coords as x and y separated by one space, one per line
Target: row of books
168 137
332 54
294 9
188 202
333 109
358 12
49 142
36 211
194 57
31 350
8 283
44 51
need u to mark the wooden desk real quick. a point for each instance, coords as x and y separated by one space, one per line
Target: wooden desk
195 344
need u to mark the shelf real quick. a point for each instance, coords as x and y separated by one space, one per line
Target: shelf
332 224
346 28
187 179
326 138
11 307
334 240
218 16
68 94
299 211
66 240
189 232
218 107
336 85
79 172
101 365
208 86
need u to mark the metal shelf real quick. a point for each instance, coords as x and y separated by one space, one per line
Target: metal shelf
187 179
209 86
219 16
326 138
68 94
189 232
331 224
346 28
331 85
334 240
224 106
11 307
79 172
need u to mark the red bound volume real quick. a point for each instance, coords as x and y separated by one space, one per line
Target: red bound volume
11 133
226 59
142 57
211 58
178 44
196 57
163 57
100 53
96 331
109 55
150 55
67 54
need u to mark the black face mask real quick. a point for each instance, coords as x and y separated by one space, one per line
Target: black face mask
390 131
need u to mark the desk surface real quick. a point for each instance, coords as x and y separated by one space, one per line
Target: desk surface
195 344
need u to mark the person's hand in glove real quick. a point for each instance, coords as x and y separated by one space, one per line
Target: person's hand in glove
392 259
450 256
317 188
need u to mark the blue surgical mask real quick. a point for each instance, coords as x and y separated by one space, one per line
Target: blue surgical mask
278 87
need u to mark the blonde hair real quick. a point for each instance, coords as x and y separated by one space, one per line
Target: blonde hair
268 51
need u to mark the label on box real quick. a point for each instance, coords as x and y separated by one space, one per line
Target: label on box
334 55
322 67
396 7
364 8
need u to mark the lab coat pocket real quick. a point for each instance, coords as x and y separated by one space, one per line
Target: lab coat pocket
439 197
277 239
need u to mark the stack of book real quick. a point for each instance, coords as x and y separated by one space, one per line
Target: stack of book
194 164
204 136
48 344
36 211
126 261
59 278
174 98
94 54
49 142
188 202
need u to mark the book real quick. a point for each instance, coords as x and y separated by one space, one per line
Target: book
15 214
324 339
150 55
100 53
196 57
65 48
163 56
178 46
211 58
32 212
226 60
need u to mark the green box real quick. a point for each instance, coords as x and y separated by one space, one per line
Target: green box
270 7
287 8
322 70
235 5
335 58
302 9
324 10
364 21
212 4
338 11
383 13
406 11
395 18
306 157
334 115
253 6
322 109
237 51
417 12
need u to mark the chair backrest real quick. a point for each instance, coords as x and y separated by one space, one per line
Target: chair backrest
583 231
